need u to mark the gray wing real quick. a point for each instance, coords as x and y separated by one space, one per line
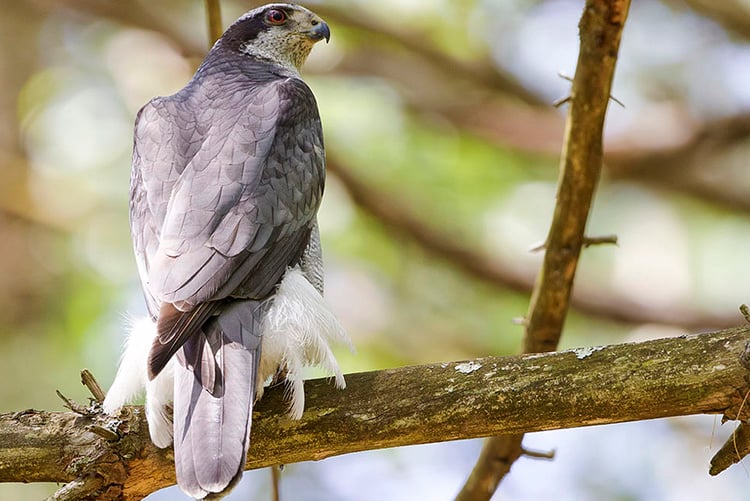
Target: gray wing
224 196
159 155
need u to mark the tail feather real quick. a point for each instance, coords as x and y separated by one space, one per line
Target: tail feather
214 392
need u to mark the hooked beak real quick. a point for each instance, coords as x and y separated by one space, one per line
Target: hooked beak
320 31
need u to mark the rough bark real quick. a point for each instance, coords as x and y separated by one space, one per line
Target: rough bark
411 405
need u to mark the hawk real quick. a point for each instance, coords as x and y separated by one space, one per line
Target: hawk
227 177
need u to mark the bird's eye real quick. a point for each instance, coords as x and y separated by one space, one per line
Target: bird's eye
276 16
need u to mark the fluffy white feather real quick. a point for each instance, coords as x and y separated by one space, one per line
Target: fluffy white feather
159 395
296 333
132 378
131 374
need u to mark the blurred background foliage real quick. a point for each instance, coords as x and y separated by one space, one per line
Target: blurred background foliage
443 144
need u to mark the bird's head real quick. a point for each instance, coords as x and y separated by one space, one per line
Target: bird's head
281 32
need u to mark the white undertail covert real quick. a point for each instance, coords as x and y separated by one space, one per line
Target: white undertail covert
296 333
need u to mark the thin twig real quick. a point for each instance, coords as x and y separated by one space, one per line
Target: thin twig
74 406
613 98
603 240
538 454
213 17
559 102
581 163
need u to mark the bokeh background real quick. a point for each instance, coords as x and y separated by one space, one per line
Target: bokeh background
444 145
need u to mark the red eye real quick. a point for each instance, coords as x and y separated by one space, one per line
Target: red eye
276 16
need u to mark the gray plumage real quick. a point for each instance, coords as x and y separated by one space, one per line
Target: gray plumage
227 178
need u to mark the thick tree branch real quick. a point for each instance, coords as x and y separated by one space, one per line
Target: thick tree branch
686 375
601 28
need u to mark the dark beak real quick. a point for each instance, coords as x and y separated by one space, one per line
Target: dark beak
320 31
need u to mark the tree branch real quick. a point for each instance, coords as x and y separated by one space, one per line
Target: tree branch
686 375
537 130
581 164
733 451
